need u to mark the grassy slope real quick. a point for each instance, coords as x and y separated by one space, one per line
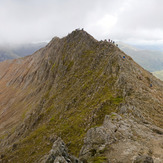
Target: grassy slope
77 100
75 89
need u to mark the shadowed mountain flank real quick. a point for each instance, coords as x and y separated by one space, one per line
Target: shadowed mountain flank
86 98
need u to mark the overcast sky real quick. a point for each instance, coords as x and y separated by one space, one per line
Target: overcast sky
135 21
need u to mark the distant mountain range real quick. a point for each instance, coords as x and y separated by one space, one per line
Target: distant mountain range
14 52
150 60
153 47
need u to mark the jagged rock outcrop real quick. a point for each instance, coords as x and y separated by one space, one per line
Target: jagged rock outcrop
69 88
59 154
122 139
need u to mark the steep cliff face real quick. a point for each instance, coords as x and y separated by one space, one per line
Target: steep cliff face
67 88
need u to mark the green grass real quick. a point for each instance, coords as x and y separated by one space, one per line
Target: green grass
72 124
98 159
52 68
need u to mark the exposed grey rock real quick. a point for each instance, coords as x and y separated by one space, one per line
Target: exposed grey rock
122 110
60 159
59 154
59 148
96 135
143 159
97 138
121 139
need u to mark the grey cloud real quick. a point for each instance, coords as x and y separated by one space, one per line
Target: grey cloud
40 20
140 20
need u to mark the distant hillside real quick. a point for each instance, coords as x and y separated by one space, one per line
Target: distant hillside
7 54
150 60
159 74
153 47
19 51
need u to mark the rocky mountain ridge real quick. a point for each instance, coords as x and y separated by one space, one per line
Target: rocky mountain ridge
89 93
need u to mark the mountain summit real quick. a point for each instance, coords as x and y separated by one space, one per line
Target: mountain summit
82 97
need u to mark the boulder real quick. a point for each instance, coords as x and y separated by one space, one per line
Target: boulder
59 154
